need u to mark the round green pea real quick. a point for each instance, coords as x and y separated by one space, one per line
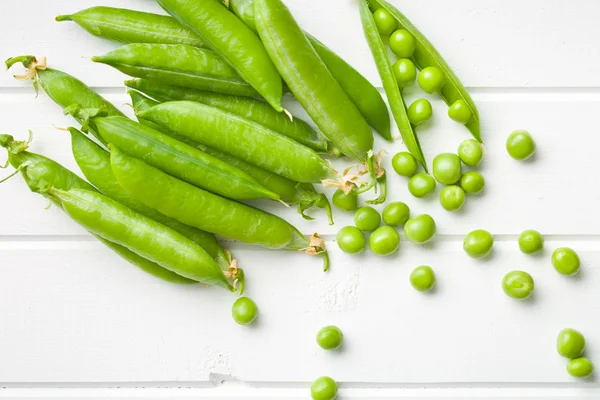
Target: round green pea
470 152
570 343
422 278
386 23
420 229
324 388
405 72
396 213
452 198
520 145
478 243
472 182
244 311
530 241
404 164
447 168
460 112
419 111
367 219
402 43
431 79
384 240
518 285
330 337
421 185
351 240
345 202
580 367
566 261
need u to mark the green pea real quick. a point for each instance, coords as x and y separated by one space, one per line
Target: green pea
405 72
570 343
478 243
420 229
386 23
324 388
520 145
404 164
460 112
518 285
402 43
452 198
470 152
244 311
396 213
565 261
384 240
345 202
367 219
351 240
419 111
472 182
447 168
330 338
422 278
530 242
431 79
421 185
580 367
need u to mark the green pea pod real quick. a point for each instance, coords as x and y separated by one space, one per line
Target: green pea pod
178 65
119 224
310 81
426 55
241 138
225 34
129 26
411 141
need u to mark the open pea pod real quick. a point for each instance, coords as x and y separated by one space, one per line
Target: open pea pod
426 55
390 84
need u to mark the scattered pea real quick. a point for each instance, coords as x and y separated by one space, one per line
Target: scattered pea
402 43
420 229
351 240
460 112
330 337
580 367
367 219
518 285
324 388
566 261
472 182
452 198
478 243
405 72
431 79
470 152
345 202
396 214
530 241
244 311
570 343
520 145
422 278
384 240
419 111
447 168
421 185
404 164
386 23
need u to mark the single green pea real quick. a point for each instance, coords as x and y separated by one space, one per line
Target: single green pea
447 168
384 240
330 337
402 43
580 367
422 278
405 72
244 311
452 198
367 219
520 145
396 213
470 152
351 240
570 343
460 112
518 285
345 202
530 241
472 182
420 229
324 388
404 164
419 111
421 185
478 243
386 23
566 261
431 79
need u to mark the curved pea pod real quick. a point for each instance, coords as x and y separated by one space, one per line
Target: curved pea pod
411 141
129 26
225 34
241 138
426 55
178 65
119 224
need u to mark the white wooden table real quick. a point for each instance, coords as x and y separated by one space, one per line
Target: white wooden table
79 323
